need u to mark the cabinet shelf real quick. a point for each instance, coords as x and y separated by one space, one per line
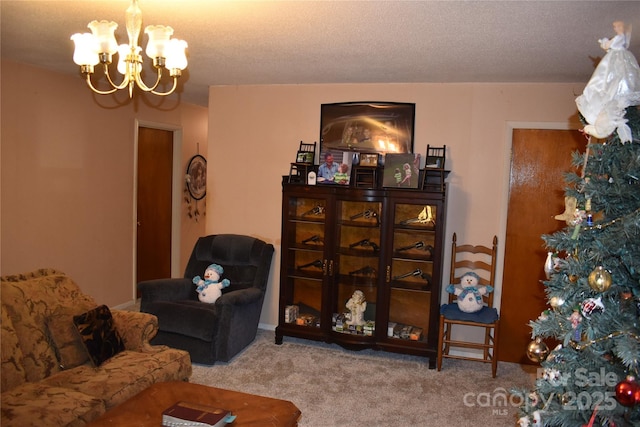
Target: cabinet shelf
308 220
359 224
306 248
367 253
371 245
311 275
410 257
415 227
411 286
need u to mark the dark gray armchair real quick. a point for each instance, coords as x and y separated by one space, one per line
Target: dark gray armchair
218 331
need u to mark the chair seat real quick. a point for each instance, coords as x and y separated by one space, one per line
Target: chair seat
485 315
186 317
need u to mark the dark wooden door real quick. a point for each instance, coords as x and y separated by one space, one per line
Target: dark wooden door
539 160
155 160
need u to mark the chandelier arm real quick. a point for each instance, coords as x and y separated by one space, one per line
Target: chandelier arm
143 86
100 92
125 80
175 84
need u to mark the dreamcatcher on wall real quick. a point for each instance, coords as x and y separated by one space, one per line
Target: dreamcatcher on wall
195 185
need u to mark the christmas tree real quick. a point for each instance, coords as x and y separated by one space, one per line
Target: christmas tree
588 340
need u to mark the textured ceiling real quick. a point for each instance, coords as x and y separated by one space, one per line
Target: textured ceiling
301 42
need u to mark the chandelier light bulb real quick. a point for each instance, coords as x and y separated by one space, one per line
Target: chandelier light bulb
123 51
176 55
85 53
159 36
104 32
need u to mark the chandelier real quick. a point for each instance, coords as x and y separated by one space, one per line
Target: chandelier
100 45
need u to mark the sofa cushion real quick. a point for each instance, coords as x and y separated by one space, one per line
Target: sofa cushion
37 404
70 350
186 317
125 374
99 334
12 373
29 300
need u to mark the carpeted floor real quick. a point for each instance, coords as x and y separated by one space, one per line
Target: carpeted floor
336 387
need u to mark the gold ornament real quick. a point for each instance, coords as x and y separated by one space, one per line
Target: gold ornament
573 278
600 279
537 351
556 302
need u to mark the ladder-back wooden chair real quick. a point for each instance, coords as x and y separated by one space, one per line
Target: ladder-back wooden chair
482 261
305 159
433 174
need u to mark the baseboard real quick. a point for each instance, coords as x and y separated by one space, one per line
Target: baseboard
266 326
127 305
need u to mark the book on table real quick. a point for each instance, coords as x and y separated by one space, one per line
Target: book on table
188 414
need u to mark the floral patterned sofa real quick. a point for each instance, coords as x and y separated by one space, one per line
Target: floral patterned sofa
48 377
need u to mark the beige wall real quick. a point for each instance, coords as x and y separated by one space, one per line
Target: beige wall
67 163
254 132
67 159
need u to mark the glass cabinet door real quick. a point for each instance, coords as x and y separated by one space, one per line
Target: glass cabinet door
356 266
305 263
409 271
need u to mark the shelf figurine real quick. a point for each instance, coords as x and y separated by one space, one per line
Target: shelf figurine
357 306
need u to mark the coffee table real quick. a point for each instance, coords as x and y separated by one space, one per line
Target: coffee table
145 409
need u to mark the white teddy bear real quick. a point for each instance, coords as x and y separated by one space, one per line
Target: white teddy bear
469 292
210 289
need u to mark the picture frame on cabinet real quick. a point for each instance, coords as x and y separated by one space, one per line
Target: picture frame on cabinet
401 170
367 127
304 157
369 159
335 167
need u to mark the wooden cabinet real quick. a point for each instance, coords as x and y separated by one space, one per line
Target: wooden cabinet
386 243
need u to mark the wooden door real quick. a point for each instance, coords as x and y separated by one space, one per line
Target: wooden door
539 160
155 160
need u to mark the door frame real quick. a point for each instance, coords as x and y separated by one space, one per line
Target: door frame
506 175
177 181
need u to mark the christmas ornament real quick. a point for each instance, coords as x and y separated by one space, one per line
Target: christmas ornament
537 351
592 305
600 279
587 208
570 205
553 376
592 420
527 422
628 392
534 399
576 320
556 302
555 355
578 217
544 315
548 265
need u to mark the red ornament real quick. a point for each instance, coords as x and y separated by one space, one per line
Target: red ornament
628 392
